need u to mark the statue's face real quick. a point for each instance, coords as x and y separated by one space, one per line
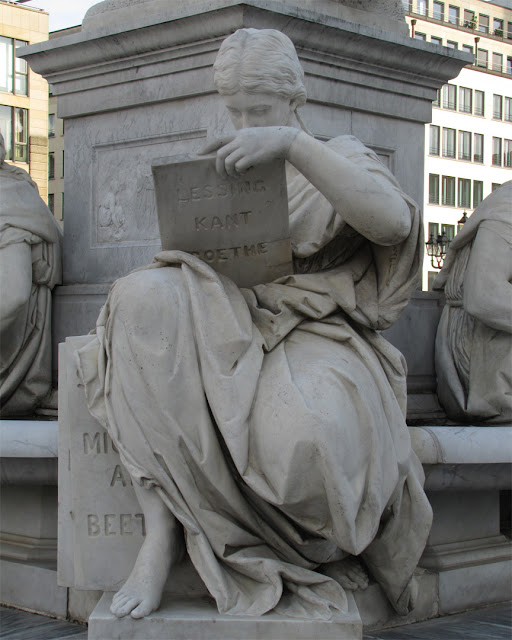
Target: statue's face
258 110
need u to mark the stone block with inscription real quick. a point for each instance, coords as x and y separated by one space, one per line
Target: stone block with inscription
101 525
239 226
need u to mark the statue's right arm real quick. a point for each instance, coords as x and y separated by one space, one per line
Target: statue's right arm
488 281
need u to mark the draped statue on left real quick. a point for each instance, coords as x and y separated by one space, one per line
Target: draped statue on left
30 266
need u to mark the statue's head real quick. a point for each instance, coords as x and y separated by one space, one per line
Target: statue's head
256 63
2 149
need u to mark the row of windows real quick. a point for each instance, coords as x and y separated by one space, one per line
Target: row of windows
14 128
451 192
472 101
453 15
483 61
470 145
13 70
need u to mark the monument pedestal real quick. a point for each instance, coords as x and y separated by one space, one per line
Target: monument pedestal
198 618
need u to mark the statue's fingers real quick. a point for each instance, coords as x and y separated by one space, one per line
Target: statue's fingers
214 144
232 161
222 154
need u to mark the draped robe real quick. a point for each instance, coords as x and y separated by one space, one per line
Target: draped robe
271 419
25 354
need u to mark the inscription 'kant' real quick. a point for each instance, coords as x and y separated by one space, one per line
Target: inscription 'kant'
220 223
232 189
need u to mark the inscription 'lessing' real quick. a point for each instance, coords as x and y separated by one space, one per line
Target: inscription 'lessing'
222 255
115 524
220 190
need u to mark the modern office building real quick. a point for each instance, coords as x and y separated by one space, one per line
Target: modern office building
468 146
23 93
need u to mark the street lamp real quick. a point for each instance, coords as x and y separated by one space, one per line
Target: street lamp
462 221
436 249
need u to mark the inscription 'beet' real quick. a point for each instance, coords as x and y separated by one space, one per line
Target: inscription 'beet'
238 226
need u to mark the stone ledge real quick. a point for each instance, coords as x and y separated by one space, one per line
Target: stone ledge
198 619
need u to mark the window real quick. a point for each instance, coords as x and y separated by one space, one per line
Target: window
451 44
433 230
434 140
422 7
508 109
464 193
497 27
469 19
479 103
453 14
497 62
51 165
437 101
497 107
478 148
495 185
448 230
13 70
449 143
482 58
407 5
465 100
433 188
431 277
478 192
51 125
14 127
450 96
509 30
496 152
438 10
51 202
436 40
507 153
483 23
465 145
467 48
420 36
448 191
509 65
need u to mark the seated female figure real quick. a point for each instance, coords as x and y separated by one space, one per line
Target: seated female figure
268 422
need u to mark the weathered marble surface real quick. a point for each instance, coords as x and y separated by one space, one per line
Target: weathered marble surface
474 337
274 370
30 266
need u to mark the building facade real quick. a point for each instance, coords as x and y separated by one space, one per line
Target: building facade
23 93
468 146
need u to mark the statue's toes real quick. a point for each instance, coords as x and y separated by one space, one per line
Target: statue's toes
146 607
124 606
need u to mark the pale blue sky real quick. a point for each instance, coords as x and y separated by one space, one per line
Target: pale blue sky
63 13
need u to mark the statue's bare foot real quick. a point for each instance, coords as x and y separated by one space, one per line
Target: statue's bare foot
142 592
349 573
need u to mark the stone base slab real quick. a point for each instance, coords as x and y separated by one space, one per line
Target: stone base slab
198 619
32 588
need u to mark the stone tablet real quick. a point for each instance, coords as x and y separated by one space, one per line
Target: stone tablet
239 226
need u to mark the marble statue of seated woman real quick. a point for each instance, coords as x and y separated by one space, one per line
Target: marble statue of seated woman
30 266
267 424
474 337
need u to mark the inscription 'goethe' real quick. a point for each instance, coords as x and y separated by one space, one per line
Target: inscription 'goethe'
239 226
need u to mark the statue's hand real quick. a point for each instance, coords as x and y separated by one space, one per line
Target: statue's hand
249 147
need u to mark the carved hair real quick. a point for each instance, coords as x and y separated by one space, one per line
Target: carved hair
259 61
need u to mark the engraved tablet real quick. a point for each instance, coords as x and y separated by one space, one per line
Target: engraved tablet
239 226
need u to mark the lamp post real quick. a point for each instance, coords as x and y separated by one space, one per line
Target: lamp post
436 249
462 221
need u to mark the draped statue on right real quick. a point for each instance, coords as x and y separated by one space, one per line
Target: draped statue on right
474 337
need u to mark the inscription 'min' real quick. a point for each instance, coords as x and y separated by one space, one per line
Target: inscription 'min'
218 223
115 524
222 255
220 190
